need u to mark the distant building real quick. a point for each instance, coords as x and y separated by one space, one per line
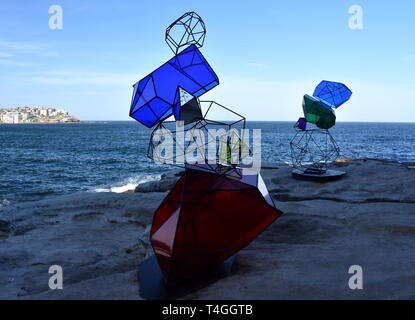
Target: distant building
14 117
35 114
24 116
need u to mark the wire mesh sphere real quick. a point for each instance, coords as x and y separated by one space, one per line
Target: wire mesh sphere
313 149
186 30
203 141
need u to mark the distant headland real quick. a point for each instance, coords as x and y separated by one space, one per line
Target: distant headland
40 114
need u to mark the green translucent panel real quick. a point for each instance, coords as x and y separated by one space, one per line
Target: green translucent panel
236 145
312 118
315 112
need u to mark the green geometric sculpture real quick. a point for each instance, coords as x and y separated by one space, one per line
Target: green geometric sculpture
315 112
313 148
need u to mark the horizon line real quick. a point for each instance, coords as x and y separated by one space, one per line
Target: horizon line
351 121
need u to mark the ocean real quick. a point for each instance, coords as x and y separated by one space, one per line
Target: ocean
43 160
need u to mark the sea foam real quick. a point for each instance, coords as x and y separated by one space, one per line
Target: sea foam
129 184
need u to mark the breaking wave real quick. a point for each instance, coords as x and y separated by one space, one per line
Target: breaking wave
129 184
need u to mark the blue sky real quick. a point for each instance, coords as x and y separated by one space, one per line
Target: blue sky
267 54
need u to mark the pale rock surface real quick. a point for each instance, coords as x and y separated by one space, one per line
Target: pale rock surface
367 219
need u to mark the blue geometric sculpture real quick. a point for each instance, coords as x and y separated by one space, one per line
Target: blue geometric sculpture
215 209
313 148
154 96
333 93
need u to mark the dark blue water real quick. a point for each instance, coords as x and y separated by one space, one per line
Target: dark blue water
37 161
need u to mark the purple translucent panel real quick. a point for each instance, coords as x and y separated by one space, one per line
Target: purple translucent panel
301 124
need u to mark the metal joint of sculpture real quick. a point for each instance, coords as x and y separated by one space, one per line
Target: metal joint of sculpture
217 207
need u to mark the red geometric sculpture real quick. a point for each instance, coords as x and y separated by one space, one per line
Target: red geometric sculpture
207 217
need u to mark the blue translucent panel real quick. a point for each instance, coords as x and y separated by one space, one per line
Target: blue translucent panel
177 104
160 108
185 58
145 116
168 79
177 111
143 94
211 85
141 85
333 93
200 92
197 58
188 69
134 94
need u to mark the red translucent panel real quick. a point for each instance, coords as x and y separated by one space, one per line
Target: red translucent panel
163 240
215 217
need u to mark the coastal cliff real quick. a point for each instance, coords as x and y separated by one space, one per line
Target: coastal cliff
367 219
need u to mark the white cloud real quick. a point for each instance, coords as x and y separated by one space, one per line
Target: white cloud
14 63
5 55
256 65
24 47
81 77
